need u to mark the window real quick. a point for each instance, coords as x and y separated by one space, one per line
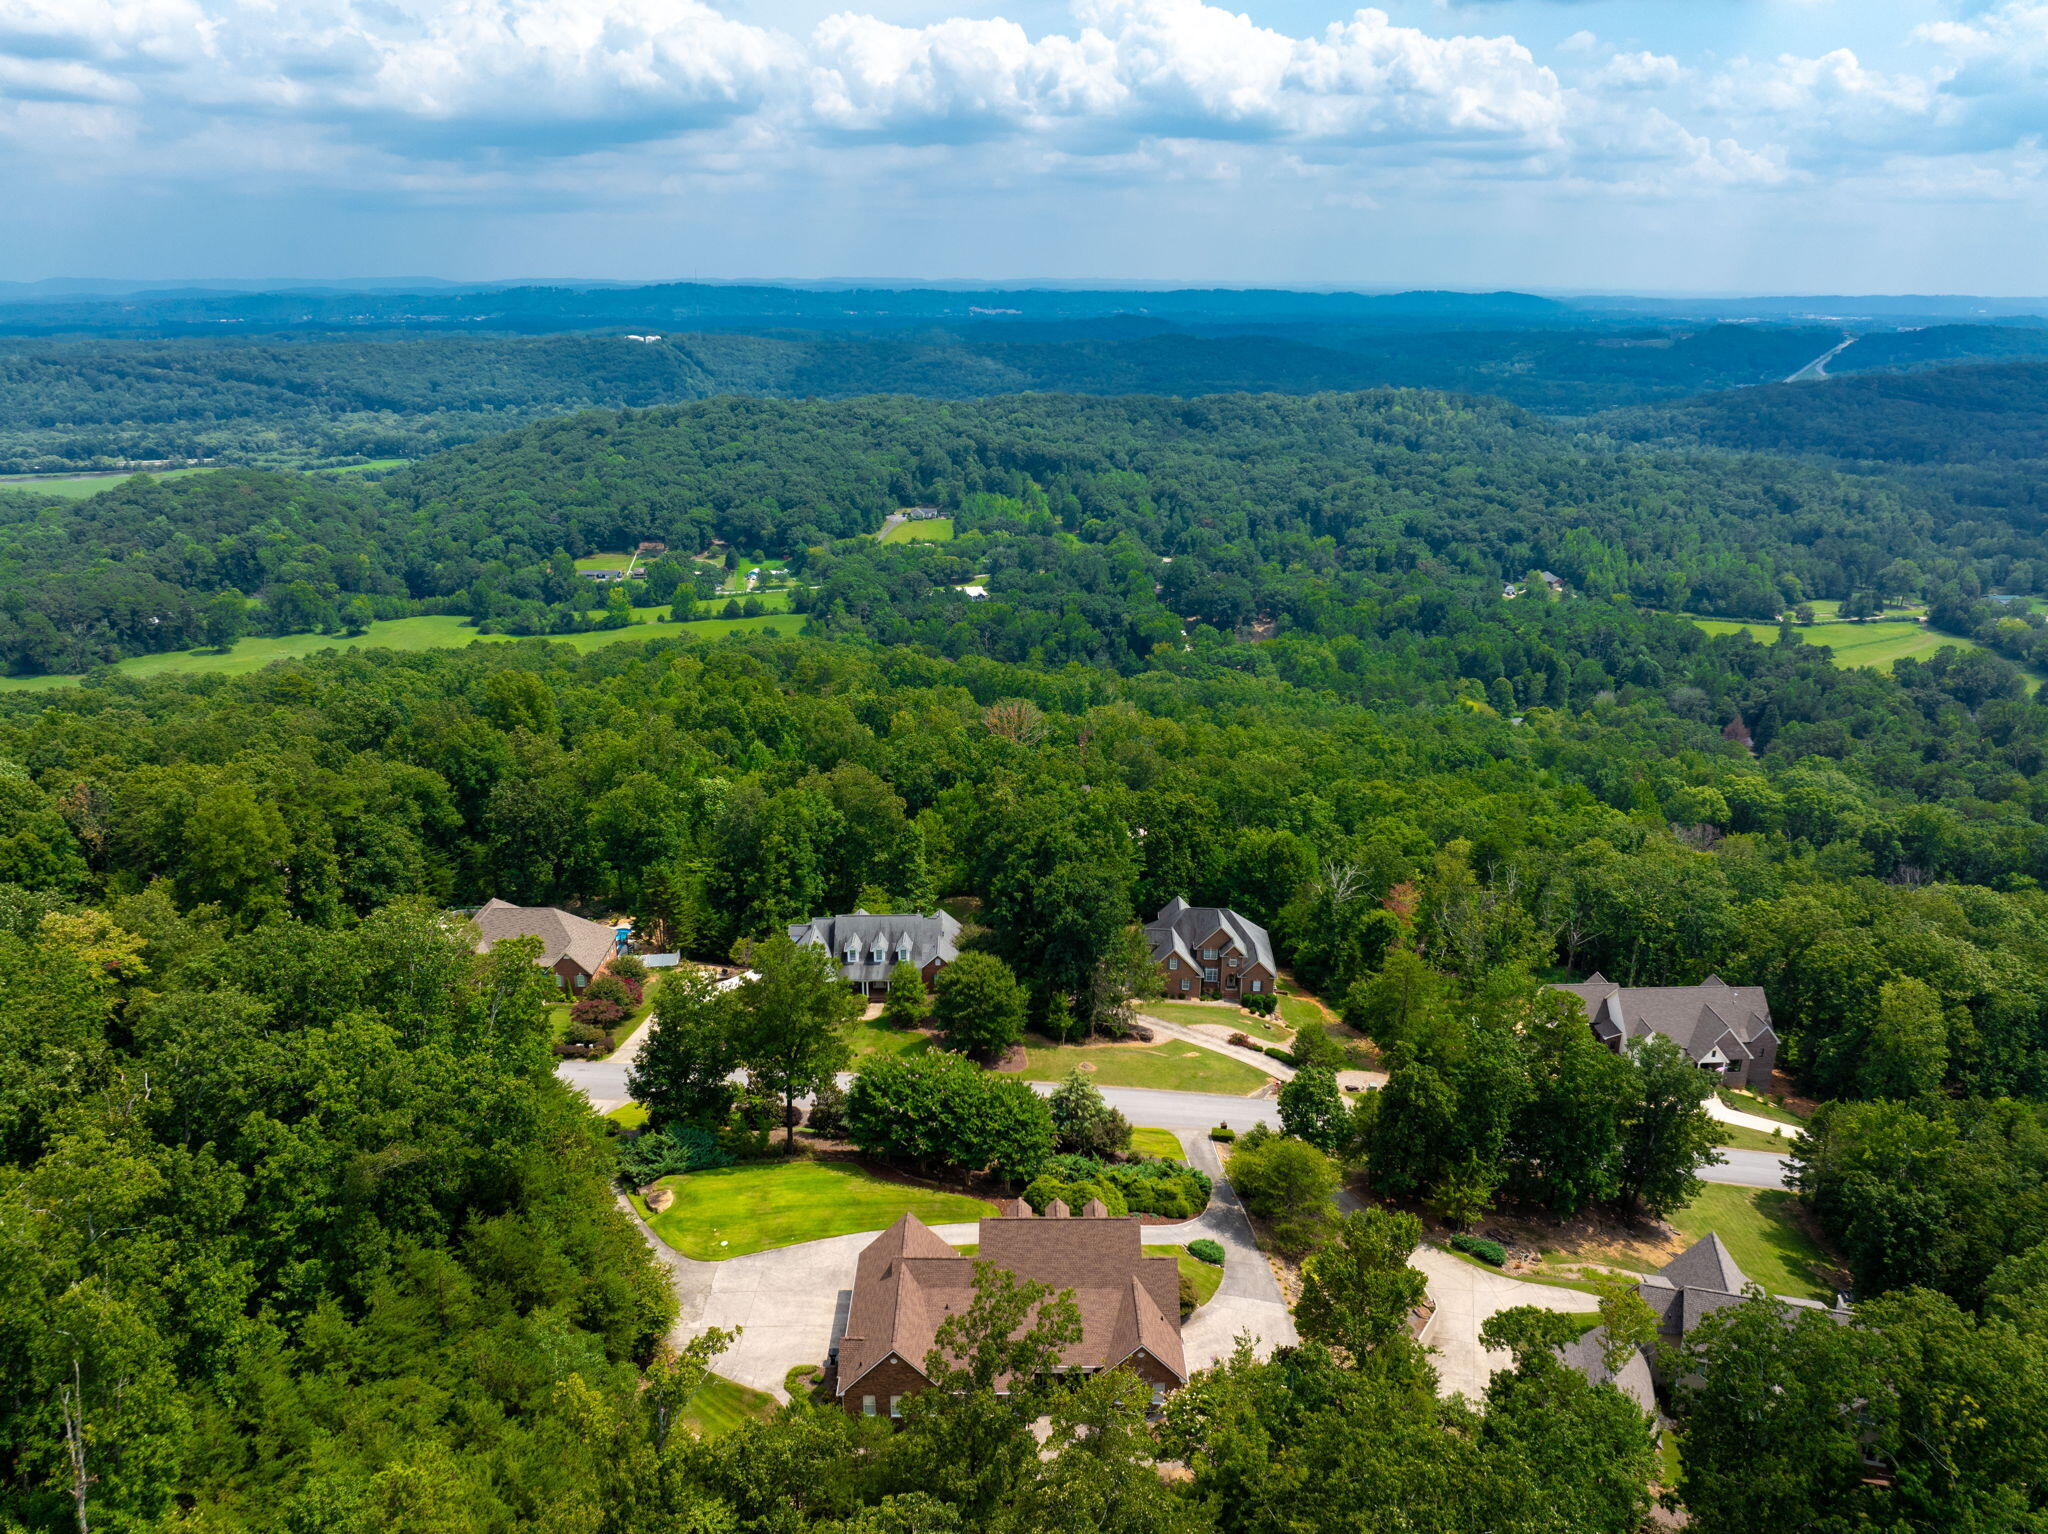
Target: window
1231 981
1233 961
853 953
1258 985
895 1406
1158 1396
1209 975
1173 961
867 1406
1184 982
1209 953
903 956
580 981
881 954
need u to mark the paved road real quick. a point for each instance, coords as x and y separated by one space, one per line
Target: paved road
1818 368
1748 1169
1721 1113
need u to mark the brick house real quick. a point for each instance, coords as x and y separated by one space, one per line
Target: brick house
575 949
1210 951
868 947
908 1281
1721 1027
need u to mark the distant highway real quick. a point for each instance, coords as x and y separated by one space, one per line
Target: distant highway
1818 368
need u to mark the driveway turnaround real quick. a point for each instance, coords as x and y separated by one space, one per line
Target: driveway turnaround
1465 1296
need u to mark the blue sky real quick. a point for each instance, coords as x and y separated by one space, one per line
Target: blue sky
1637 145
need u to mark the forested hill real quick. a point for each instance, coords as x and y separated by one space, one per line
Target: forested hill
1983 414
307 400
1278 494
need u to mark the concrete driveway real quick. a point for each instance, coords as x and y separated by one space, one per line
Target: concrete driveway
1465 1296
1248 1302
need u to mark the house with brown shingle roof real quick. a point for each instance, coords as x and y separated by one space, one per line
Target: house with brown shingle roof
908 1281
1722 1028
573 947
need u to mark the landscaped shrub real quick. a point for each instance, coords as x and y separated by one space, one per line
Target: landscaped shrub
1045 1188
1170 1189
1263 1004
938 1110
669 1152
1189 1300
1207 1251
1243 1041
1483 1249
1284 1056
1083 1124
585 1033
613 988
627 966
1286 1182
597 1012
1223 1134
828 1110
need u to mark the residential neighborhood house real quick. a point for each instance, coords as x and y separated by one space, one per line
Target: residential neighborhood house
908 1281
1210 951
1721 1027
868 947
574 948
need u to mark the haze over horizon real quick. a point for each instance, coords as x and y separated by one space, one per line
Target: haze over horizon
1606 146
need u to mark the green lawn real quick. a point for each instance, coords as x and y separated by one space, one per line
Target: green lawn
878 1038
76 487
1762 1106
721 1405
1205 1276
605 562
1172 1065
1768 1245
1191 1014
732 1211
1157 1142
930 530
444 632
629 1116
1742 1137
1298 1012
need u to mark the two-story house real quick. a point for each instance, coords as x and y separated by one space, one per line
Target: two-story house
868 947
1210 951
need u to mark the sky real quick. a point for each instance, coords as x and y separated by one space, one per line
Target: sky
1645 146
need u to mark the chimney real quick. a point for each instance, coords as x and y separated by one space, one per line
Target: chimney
1057 1209
1095 1209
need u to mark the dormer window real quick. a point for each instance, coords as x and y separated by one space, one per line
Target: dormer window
853 953
903 956
881 954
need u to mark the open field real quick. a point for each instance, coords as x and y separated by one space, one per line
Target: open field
1876 645
605 562
1163 1143
76 487
374 466
431 633
721 1405
931 530
731 1211
1172 1066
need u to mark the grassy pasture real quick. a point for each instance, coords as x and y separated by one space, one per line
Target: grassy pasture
76 487
931 530
444 632
1876 645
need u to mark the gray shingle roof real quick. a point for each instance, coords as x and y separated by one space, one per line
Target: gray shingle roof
1706 1264
588 943
1697 1018
1180 928
925 938
1588 1355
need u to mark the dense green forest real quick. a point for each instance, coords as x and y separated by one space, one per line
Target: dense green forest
348 1196
284 401
1296 507
299 1231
